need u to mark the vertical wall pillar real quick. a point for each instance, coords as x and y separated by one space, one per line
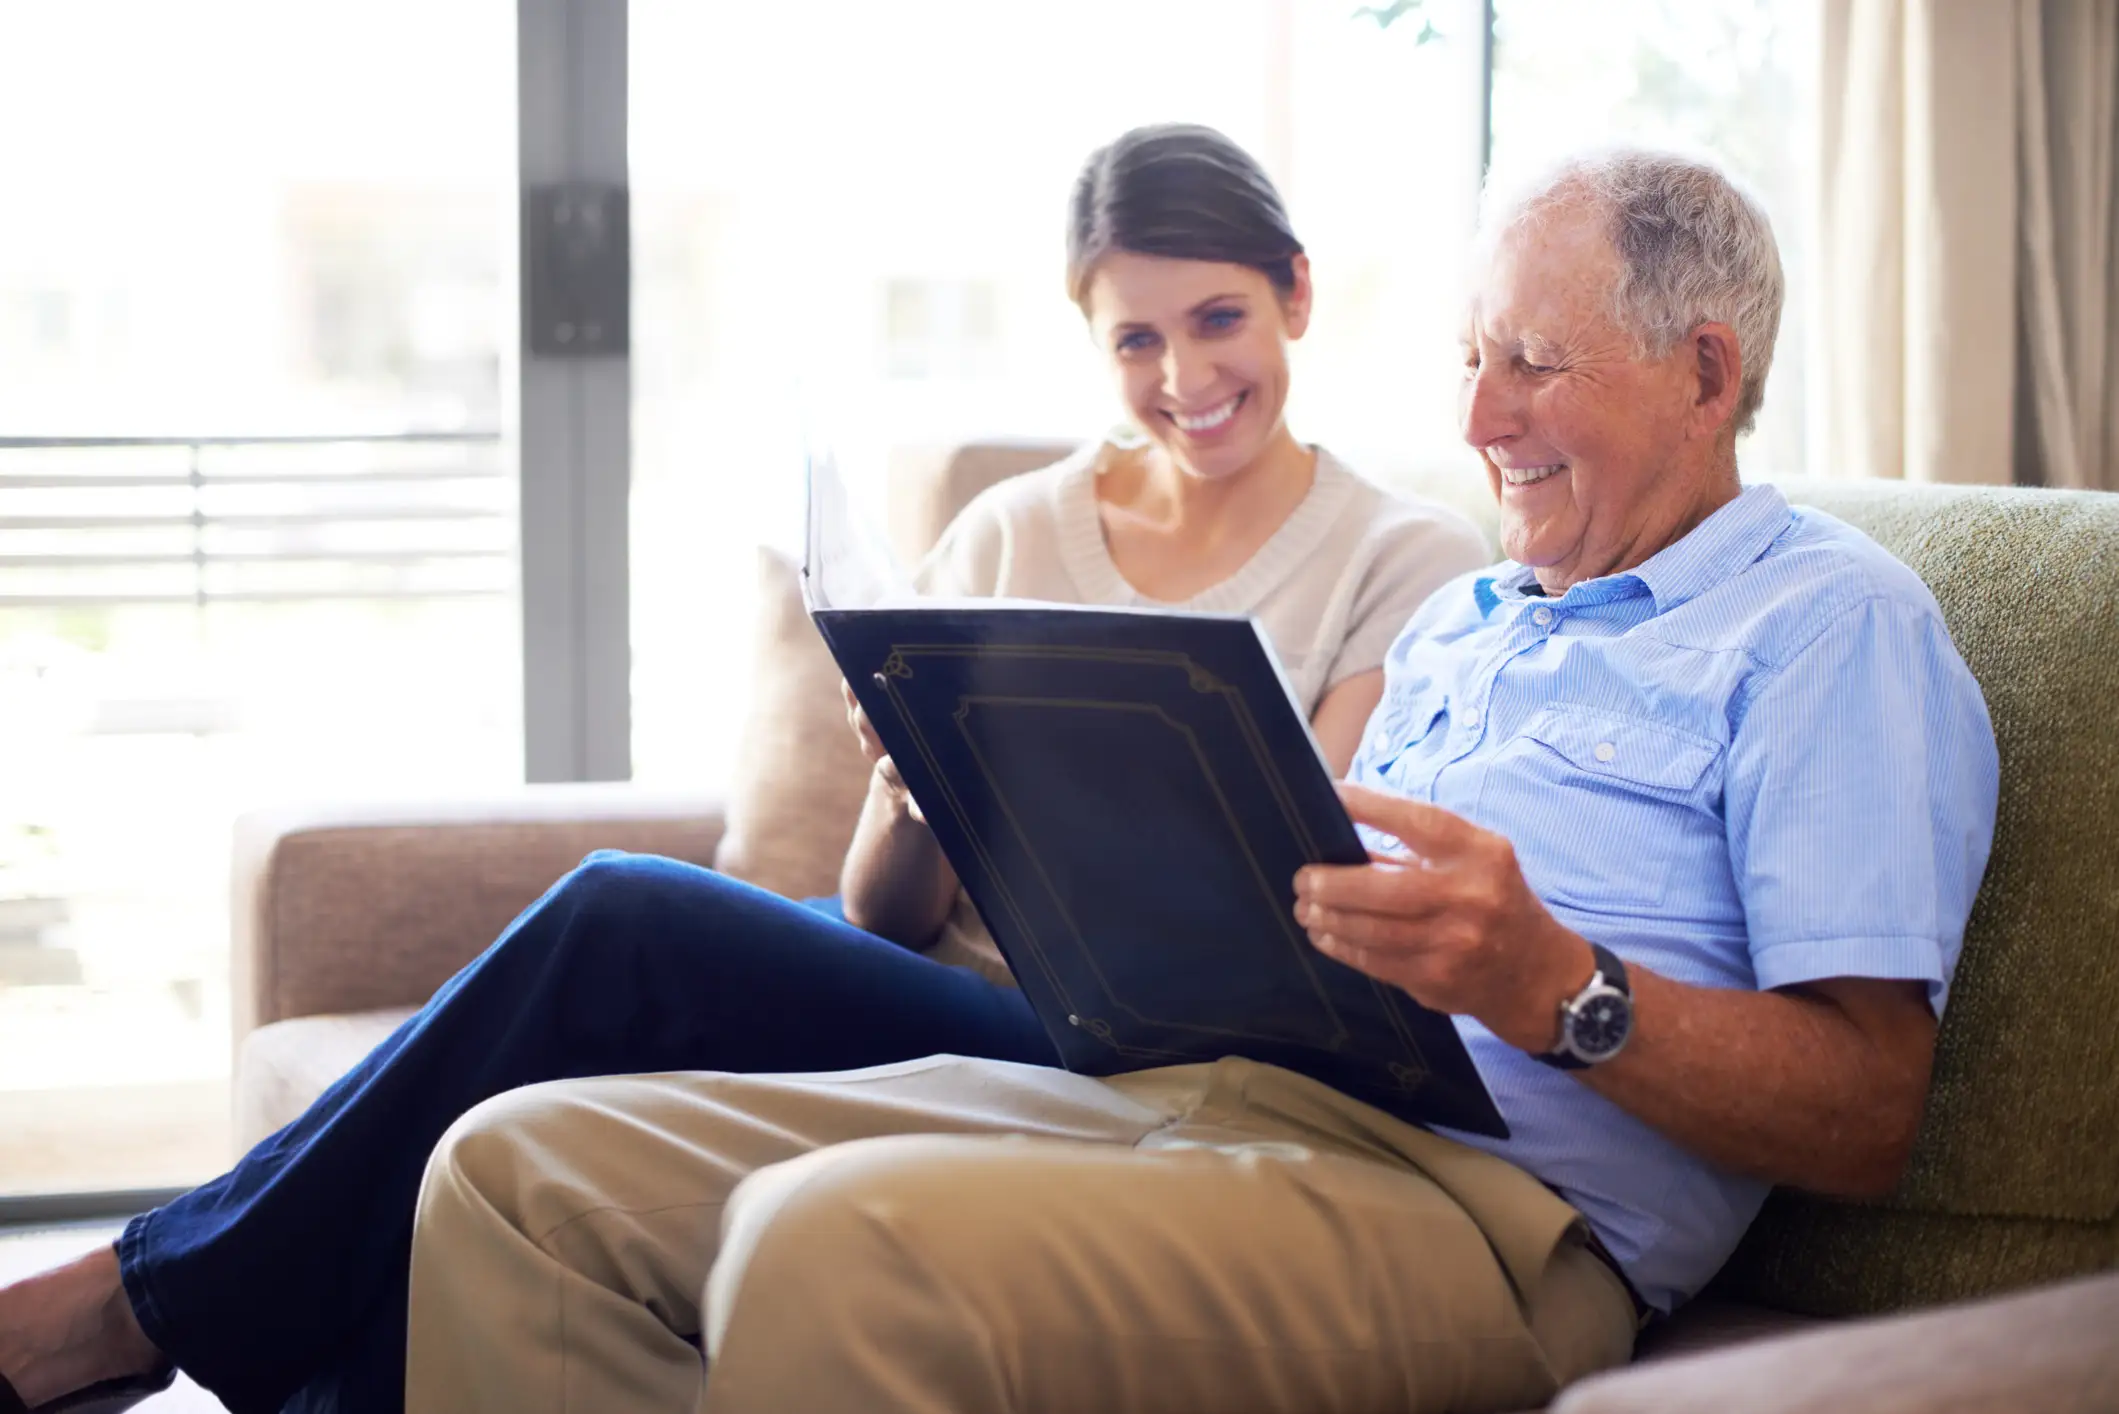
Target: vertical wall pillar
571 388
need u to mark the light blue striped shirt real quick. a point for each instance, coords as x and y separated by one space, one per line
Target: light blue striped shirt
1755 760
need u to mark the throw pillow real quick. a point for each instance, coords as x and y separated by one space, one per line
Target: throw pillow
800 777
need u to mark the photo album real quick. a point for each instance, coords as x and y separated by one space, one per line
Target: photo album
1127 795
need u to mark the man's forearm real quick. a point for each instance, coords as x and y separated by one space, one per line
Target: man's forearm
1794 1087
896 882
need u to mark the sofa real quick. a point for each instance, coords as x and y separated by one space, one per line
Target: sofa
2003 1238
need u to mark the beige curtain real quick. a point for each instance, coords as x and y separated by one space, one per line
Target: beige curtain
1966 316
2068 66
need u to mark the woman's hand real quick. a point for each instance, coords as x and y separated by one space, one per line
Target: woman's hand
896 883
887 777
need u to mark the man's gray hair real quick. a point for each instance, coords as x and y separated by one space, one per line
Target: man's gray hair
1694 247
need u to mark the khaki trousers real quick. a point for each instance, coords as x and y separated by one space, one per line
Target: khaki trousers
955 1235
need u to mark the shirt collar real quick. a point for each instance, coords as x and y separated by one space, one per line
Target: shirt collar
1717 547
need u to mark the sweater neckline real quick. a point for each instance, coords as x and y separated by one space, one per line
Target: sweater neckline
1087 554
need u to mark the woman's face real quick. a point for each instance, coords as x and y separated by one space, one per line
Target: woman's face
1201 352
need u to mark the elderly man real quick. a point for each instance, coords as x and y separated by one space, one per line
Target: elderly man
1680 813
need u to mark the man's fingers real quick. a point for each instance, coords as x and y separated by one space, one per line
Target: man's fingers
1380 932
1352 954
1388 886
1394 966
1424 829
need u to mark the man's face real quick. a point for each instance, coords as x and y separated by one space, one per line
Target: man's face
1591 449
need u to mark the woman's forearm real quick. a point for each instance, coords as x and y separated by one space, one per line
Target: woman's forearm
896 883
1342 719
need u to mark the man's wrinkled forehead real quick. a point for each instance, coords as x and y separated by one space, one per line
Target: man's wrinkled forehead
1546 277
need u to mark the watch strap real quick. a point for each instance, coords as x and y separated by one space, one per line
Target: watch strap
1612 970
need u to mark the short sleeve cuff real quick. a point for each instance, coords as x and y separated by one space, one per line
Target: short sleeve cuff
1899 959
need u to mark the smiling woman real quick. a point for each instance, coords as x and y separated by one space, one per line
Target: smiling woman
1183 259
1199 349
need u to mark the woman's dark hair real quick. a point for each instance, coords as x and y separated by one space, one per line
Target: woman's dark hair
1183 191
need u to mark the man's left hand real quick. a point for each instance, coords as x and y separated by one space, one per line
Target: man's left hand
1454 923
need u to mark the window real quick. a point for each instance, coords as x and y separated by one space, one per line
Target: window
257 536
941 328
1726 77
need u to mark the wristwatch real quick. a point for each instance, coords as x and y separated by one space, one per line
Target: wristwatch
1595 1022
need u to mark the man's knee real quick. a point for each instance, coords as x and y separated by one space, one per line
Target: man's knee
838 1232
495 1157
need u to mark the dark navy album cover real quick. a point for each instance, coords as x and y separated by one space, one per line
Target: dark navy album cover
1127 796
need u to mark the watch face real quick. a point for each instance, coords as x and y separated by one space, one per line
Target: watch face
1601 1025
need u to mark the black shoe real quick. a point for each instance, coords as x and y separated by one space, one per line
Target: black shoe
103 1397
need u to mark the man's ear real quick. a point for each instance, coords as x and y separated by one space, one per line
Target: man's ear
1295 304
1718 364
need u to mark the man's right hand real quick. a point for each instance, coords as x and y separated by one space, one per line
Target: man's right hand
886 771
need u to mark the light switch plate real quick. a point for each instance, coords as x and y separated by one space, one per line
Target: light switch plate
577 269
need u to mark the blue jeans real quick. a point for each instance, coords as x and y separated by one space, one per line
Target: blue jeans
282 1284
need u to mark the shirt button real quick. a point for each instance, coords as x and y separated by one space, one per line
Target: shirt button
1541 616
1605 751
1380 742
1471 719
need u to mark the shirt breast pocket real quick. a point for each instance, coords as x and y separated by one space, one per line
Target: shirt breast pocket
1599 805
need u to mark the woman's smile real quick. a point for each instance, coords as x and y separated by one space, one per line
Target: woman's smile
1211 422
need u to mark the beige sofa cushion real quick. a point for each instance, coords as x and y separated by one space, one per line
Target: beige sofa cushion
282 1068
800 777
351 906
1711 1322
2051 1350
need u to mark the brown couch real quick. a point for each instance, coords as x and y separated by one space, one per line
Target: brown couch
347 919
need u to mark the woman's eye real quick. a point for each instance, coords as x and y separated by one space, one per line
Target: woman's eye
1135 343
1538 368
1221 321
